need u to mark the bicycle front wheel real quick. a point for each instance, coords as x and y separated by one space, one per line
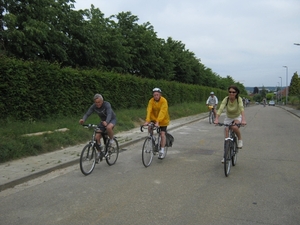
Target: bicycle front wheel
210 117
112 153
227 158
87 159
234 152
147 152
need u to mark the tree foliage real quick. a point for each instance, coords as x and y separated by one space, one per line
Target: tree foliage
294 88
53 31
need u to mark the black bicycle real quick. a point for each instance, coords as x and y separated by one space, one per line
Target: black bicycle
151 144
88 157
211 115
230 148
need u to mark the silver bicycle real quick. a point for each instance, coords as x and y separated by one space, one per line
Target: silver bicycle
88 157
151 146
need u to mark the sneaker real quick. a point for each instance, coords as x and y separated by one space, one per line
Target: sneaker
161 154
222 161
112 143
240 143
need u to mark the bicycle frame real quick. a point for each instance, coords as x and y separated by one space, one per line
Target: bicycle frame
151 144
156 138
96 130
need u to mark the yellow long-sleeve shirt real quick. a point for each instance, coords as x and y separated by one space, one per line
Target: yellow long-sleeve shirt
158 111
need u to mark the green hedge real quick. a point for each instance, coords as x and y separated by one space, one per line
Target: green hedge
37 90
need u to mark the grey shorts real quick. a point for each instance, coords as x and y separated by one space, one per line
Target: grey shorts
103 128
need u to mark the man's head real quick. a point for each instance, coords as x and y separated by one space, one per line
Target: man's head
156 93
212 94
98 100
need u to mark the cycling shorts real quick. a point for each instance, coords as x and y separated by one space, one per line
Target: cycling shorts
103 128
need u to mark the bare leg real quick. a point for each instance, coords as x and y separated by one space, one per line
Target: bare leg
98 138
110 132
163 139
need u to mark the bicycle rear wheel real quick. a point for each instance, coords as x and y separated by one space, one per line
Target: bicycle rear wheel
147 152
227 158
112 153
87 159
234 152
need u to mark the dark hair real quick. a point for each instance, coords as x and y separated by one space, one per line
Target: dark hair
236 89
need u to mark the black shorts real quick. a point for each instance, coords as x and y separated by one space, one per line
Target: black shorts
163 129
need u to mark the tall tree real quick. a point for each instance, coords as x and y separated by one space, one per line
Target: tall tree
294 88
33 29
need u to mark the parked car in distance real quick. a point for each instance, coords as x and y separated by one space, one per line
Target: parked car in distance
272 103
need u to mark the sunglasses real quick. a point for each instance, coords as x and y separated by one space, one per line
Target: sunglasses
232 92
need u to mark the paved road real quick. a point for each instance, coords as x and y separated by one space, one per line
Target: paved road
188 187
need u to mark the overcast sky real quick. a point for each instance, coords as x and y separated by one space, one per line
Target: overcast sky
249 40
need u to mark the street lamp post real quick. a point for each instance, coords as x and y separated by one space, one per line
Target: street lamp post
286 89
277 92
281 90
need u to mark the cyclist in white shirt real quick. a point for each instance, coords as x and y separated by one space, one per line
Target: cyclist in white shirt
213 101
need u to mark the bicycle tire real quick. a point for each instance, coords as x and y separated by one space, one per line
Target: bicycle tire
88 159
234 152
147 152
209 117
212 117
227 158
112 153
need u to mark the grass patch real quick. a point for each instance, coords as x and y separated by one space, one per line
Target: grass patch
13 145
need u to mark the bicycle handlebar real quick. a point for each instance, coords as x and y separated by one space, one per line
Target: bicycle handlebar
230 124
150 124
89 125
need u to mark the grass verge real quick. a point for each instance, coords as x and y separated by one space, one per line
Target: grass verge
14 145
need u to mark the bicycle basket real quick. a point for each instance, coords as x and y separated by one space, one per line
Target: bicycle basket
169 140
210 107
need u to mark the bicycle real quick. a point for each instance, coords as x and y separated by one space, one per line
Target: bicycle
89 152
230 148
211 115
151 144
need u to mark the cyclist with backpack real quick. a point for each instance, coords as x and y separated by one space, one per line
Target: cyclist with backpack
158 112
234 111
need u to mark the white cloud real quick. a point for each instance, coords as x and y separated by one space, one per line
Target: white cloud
249 41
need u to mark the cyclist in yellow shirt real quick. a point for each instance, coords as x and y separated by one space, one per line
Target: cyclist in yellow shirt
158 112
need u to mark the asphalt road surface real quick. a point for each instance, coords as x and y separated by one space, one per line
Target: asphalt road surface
187 187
